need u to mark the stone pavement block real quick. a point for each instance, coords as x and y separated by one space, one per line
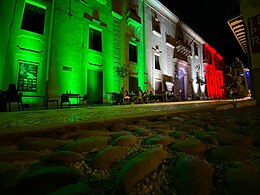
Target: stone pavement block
245 103
225 107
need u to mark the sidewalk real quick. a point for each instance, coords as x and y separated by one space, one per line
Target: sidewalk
27 120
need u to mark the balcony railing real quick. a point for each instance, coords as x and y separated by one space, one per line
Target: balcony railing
183 47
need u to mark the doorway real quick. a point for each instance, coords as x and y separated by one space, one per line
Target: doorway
181 84
133 84
95 86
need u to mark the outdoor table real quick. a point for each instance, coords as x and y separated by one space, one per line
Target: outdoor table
66 98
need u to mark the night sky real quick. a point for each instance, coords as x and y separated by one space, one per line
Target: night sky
211 24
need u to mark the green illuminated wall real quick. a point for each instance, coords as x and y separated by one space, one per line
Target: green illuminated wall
21 45
61 53
70 49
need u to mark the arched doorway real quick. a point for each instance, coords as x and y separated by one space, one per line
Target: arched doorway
181 84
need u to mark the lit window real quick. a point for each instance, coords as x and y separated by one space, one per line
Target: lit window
33 18
95 40
132 53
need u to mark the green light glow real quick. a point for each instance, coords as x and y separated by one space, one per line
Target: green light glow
35 4
73 66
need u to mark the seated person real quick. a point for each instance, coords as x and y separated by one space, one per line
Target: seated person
126 97
12 93
145 97
138 98
150 96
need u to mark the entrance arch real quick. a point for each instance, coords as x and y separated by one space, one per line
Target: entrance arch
181 75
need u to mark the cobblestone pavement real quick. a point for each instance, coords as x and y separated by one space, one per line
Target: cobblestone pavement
180 148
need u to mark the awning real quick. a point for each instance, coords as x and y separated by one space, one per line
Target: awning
238 28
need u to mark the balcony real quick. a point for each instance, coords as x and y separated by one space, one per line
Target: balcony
183 47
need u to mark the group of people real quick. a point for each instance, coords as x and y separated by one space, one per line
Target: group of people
137 96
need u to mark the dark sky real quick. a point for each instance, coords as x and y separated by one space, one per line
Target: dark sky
209 20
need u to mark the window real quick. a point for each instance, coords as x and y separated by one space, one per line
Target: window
33 18
157 62
95 40
196 53
132 53
156 25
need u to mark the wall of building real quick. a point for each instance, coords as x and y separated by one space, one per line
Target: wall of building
61 54
172 62
25 52
250 10
74 67
156 42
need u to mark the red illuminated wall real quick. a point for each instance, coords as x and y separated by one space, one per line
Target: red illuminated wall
214 68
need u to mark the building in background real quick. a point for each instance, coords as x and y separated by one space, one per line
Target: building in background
174 53
51 47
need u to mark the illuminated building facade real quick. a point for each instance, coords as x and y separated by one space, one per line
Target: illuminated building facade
94 47
214 73
174 53
52 47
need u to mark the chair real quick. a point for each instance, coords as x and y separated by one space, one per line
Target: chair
17 98
64 99
117 98
12 95
84 100
51 100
